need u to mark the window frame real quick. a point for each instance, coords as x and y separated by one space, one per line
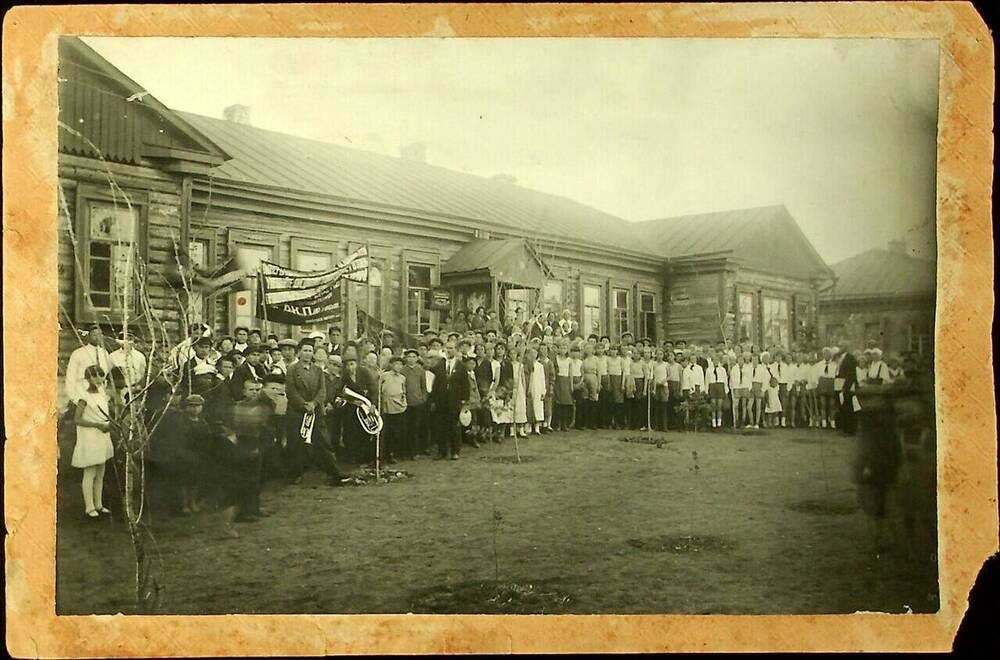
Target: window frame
768 296
427 291
253 239
601 292
642 321
752 337
621 317
84 311
207 235
299 244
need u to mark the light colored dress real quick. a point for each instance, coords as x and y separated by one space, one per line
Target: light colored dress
520 394
93 446
537 387
773 401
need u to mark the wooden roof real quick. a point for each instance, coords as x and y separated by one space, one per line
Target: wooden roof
277 160
511 261
766 238
879 273
105 114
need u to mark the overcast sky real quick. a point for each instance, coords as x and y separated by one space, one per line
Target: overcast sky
841 131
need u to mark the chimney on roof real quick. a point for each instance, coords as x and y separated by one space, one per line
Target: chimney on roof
505 178
238 114
898 246
415 151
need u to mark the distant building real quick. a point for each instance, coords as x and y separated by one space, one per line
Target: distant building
886 296
749 274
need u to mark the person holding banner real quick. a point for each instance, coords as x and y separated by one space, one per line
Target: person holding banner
305 388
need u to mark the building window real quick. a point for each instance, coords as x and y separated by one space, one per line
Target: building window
516 306
418 295
873 332
552 295
921 337
834 333
369 296
591 310
747 330
620 315
198 255
776 322
110 244
312 260
647 315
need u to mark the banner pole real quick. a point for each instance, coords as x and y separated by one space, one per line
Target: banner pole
262 293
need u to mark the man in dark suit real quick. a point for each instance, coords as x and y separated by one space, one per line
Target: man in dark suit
848 370
252 369
437 400
450 440
305 387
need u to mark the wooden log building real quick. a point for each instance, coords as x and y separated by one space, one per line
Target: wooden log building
216 185
881 295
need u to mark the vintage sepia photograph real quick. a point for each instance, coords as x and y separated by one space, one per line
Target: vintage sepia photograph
497 325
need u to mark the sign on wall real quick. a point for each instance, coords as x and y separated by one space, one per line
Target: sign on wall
440 299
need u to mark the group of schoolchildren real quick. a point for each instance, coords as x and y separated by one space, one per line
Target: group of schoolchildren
260 406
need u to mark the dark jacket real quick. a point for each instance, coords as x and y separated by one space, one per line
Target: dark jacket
848 370
359 384
459 386
243 373
439 390
484 376
506 385
303 385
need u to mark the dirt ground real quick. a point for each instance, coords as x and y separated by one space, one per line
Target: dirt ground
767 523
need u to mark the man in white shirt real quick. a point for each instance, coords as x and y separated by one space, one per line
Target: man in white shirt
826 372
130 362
91 353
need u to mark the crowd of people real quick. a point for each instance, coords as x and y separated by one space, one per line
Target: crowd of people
229 412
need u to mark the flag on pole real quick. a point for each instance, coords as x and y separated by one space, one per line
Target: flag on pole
298 297
322 308
236 274
282 284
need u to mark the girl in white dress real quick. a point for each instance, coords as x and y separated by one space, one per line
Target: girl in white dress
772 409
93 440
520 393
536 388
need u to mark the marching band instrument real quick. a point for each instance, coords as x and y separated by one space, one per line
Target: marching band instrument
368 414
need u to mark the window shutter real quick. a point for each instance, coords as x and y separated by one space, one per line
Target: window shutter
636 311
404 294
609 312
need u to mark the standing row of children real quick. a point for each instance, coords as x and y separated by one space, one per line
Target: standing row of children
592 383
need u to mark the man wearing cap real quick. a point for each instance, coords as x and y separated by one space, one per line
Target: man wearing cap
305 386
288 348
199 358
416 401
91 353
251 369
